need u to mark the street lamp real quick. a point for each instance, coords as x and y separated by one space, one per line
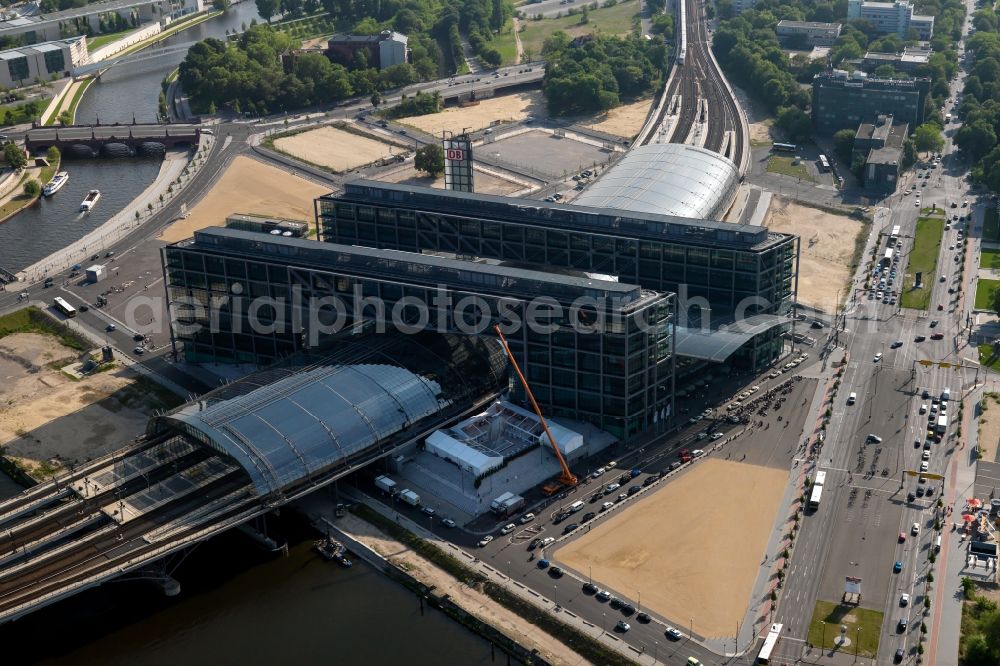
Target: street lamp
822 646
857 642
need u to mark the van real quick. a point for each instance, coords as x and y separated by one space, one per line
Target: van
853 398
946 393
693 662
576 506
937 544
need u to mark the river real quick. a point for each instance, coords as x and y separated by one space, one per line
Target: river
237 605
124 90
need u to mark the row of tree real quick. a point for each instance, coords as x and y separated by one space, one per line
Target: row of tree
597 74
980 107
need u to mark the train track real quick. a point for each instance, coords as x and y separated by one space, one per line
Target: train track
697 77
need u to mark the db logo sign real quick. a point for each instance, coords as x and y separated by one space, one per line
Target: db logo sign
455 154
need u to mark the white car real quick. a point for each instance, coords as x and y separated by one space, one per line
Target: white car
878 357
697 452
716 435
508 528
924 465
623 626
915 529
904 599
701 436
673 634
486 539
612 464
597 472
607 505
527 518
546 541
611 487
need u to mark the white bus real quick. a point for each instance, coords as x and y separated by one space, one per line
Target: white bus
820 479
887 259
63 306
815 497
824 164
894 236
764 656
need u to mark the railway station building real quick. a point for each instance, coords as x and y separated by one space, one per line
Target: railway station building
593 350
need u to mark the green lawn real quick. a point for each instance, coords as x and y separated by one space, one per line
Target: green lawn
990 258
505 44
923 259
985 290
989 358
854 618
991 225
789 166
615 20
94 43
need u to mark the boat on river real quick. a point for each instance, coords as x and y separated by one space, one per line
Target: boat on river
331 549
55 184
90 201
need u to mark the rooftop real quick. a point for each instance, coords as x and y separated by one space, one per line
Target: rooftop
426 269
811 25
610 221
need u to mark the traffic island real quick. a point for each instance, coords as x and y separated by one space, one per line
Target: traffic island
845 628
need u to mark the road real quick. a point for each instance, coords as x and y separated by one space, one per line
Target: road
865 523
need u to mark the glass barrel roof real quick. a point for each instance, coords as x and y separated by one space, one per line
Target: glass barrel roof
667 179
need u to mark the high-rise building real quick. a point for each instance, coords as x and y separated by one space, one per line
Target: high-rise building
844 101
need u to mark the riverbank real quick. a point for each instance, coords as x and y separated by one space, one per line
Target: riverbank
119 224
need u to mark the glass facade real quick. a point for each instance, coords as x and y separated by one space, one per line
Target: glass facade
610 362
758 280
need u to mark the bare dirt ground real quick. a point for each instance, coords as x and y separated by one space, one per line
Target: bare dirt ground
659 545
485 183
761 132
470 599
508 108
624 121
989 426
827 243
249 186
44 414
335 148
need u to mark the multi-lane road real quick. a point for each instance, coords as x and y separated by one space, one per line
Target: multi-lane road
865 523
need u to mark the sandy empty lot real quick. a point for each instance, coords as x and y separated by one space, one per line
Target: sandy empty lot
508 108
989 426
44 414
761 132
484 183
335 148
693 548
624 121
249 186
826 248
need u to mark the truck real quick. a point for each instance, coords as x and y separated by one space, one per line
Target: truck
942 424
96 273
507 504
409 497
385 484
684 455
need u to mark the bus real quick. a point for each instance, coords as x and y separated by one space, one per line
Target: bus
815 497
887 259
820 479
784 147
764 656
63 306
824 164
894 236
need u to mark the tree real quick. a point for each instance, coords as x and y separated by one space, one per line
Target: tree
977 138
909 154
977 652
843 143
990 624
928 137
65 118
376 99
53 155
795 122
430 158
32 188
15 157
221 5
267 8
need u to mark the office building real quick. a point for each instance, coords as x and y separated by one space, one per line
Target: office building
602 352
27 64
740 6
740 277
892 17
93 18
843 101
881 144
807 33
